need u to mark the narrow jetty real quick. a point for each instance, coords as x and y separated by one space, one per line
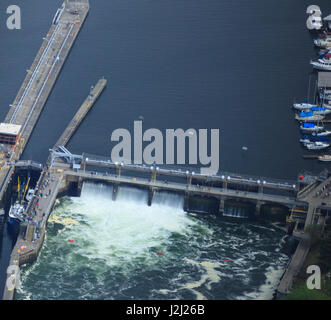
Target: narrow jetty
81 113
40 79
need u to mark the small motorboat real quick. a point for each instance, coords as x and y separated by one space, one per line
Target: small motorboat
303 106
30 193
311 127
325 157
323 43
317 145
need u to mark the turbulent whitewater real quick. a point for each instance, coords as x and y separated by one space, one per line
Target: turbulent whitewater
124 249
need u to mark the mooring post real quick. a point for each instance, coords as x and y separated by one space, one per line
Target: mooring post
189 180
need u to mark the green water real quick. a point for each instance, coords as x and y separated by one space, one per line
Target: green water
124 249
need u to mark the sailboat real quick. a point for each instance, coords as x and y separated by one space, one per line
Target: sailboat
317 145
311 127
309 116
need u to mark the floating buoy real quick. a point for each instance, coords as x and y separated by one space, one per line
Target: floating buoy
301 177
159 253
70 240
226 260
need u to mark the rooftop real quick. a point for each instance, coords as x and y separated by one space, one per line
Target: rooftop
8 128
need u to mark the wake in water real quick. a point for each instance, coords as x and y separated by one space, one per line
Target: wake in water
97 248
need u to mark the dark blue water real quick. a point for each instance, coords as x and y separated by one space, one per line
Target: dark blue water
232 65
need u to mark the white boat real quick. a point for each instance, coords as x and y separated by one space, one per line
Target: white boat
31 192
16 213
317 145
303 106
323 133
321 64
323 43
311 127
325 157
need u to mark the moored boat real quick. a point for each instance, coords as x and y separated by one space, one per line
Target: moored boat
323 43
320 110
325 157
16 213
311 127
323 133
317 145
304 106
313 138
309 116
321 64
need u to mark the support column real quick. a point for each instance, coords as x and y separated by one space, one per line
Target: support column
225 184
189 180
221 205
150 196
118 171
258 208
186 201
83 165
115 189
79 186
153 178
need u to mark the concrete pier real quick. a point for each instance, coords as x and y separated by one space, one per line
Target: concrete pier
41 78
81 113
